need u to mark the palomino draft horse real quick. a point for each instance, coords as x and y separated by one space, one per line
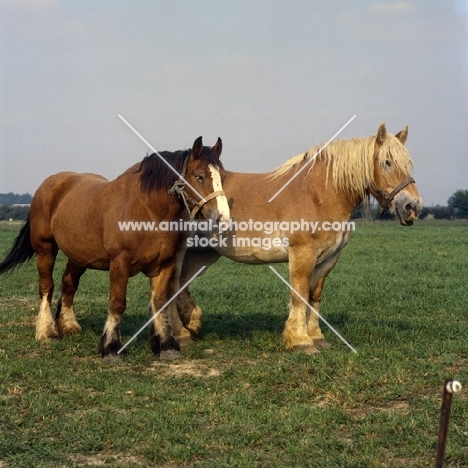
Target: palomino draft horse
80 214
342 176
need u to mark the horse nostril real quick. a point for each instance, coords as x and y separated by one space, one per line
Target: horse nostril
409 207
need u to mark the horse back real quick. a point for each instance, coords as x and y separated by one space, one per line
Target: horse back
53 193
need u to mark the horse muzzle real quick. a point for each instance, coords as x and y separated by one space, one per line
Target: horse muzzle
407 208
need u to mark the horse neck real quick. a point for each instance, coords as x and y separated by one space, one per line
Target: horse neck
321 186
159 203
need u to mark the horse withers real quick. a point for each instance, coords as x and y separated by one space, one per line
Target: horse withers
87 217
321 198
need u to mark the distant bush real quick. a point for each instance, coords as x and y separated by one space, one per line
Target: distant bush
437 212
13 212
14 198
458 202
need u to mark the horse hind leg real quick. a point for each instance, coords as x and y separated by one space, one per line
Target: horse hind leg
313 324
317 283
65 316
189 313
181 334
46 328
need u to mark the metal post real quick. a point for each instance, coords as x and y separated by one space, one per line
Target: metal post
450 387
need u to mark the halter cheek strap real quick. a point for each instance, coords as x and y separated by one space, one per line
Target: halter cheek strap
198 205
179 189
384 199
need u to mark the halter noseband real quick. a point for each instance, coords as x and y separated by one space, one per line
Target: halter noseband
384 199
179 189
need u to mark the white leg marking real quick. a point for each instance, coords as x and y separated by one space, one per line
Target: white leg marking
111 328
67 322
46 328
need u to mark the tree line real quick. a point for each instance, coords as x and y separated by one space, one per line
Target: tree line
457 207
8 210
14 198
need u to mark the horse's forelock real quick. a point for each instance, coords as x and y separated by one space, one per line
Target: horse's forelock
395 151
210 157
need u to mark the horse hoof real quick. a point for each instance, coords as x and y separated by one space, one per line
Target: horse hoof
185 340
305 349
47 337
114 358
170 355
322 344
70 330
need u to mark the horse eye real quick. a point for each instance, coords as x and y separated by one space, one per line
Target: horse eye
388 164
200 179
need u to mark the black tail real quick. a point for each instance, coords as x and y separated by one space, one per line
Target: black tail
21 250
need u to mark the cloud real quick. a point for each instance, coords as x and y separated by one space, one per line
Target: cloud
397 7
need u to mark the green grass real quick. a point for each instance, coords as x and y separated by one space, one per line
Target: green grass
237 399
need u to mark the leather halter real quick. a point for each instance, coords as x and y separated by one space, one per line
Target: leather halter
179 189
384 199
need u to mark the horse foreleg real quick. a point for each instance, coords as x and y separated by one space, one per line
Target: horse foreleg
296 338
111 341
162 340
46 328
65 316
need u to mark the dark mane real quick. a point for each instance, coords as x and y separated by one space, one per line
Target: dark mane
156 175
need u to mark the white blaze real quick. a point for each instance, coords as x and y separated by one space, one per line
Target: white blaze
221 200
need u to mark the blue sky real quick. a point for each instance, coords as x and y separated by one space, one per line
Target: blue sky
271 78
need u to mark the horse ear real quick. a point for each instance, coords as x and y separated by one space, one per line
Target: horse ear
218 147
403 135
381 133
197 148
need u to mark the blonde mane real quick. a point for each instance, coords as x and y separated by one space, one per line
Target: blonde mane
351 162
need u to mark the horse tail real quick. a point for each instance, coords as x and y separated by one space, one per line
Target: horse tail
20 251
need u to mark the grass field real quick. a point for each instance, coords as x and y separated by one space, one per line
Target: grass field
237 399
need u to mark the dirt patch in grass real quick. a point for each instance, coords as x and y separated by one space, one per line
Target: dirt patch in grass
390 407
100 459
24 302
184 368
21 304
393 407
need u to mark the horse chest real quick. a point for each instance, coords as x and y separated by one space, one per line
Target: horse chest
336 243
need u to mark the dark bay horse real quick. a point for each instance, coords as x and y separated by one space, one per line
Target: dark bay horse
80 215
306 224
